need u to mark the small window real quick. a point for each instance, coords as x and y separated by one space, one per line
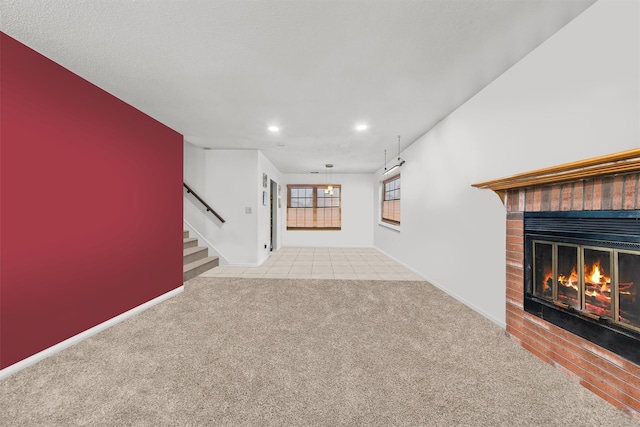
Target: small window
391 200
313 207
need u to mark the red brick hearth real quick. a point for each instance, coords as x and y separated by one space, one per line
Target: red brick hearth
610 376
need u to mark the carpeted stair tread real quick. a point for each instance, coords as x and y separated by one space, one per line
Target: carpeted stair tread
190 255
189 242
195 268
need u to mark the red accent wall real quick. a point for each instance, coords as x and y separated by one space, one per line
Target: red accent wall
90 204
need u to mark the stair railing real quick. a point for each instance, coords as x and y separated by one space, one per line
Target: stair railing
209 208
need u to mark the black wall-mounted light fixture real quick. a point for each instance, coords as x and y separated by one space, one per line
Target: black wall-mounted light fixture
396 166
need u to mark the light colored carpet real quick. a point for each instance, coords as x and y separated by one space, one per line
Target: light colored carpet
243 352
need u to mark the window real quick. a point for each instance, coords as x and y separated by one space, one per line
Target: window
391 200
309 207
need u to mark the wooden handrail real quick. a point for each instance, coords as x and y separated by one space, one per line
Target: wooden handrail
209 208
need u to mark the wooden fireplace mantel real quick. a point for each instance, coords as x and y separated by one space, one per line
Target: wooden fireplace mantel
611 164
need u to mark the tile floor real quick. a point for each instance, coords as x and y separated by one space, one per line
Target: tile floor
321 263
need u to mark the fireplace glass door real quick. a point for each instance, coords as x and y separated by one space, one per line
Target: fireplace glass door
567 277
543 270
597 282
629 288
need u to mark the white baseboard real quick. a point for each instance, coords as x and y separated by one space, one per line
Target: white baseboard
12 369
500 323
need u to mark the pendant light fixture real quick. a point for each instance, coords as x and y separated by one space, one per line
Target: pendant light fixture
329 189
396 166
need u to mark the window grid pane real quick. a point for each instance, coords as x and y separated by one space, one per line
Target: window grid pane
390 209
309 207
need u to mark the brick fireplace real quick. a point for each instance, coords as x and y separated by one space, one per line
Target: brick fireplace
608 184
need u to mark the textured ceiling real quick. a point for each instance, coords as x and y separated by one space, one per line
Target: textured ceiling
220 72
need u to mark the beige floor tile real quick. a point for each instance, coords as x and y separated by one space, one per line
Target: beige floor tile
343 269
390 276
368 276
411 276
284 261
275 276
322 276
391 264
322 263
252 276
298 276
321 273
279 269
211 273
340 263
346 276
267 263
258 270
382 270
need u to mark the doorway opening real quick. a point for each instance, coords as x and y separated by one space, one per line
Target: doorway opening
274 215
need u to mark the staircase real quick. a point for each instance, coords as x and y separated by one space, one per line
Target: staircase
195 259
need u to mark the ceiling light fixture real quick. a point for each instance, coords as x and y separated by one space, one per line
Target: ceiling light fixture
396 166
274 129
361 127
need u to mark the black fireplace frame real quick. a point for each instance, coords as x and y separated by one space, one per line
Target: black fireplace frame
608 229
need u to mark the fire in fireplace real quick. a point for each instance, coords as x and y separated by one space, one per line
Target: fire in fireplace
582 273
601 291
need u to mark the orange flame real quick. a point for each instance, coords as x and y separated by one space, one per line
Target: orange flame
571 281
595 276
598 284
547 277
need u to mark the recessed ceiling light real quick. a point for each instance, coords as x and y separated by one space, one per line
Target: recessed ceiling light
274 128
361 127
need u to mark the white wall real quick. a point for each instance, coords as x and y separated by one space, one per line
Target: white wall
231 182
357 208
194 214
264 211
576 96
